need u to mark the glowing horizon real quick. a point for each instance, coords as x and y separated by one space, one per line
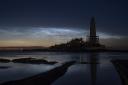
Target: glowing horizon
40 36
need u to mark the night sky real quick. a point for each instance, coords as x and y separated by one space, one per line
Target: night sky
49 22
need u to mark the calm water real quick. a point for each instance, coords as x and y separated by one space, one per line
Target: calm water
99 71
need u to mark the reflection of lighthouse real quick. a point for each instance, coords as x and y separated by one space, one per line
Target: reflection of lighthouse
93 39
93 67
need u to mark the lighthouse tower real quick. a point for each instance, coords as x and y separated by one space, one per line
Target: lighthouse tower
93 39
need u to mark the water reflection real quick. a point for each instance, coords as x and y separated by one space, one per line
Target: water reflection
90 69
101 73
92 61
84 72
93 67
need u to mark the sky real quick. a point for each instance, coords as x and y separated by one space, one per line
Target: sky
49 22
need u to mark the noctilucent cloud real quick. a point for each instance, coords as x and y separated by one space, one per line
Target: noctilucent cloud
49 22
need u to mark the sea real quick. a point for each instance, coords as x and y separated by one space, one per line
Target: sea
92 68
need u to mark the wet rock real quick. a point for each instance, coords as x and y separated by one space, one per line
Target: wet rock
2 60
4 67
45 78
32 61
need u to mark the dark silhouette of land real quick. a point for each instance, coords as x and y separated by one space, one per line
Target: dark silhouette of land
33 61
4 60
74 45
92 42
27 61
46 78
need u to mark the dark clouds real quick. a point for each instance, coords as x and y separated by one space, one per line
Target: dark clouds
111 15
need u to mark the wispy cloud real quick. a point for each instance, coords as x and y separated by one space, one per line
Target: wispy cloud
46 36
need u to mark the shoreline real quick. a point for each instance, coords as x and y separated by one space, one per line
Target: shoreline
45 78
68 51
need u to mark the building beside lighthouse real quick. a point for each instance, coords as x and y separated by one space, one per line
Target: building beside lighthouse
78 44
92 40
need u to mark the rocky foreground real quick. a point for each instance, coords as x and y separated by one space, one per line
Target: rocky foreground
122 68
27 61
46 78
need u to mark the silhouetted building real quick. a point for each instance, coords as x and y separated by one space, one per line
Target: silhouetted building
93 39
78 44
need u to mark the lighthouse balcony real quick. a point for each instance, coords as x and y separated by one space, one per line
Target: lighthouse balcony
94 39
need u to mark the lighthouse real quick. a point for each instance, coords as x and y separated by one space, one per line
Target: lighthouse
93 27
93 39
